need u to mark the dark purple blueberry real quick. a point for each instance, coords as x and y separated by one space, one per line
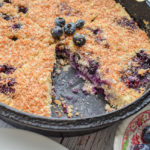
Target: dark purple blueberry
11 82
64 106
6 90
140 54
9 69
143 59
132 77
6 69
16 26
7 1
107 45
94 90
97 31
22 9
146 135
133 82
57 32
14 38
79 40
141 147
1 4
79 24
75 90
2 68
125 22
60 21
69 97
93 66
6 17
69 28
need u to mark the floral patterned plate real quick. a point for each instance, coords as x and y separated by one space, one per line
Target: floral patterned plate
129 131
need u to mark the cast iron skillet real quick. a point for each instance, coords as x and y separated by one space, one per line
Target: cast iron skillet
91 109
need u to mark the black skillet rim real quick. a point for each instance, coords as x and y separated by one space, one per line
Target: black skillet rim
72 124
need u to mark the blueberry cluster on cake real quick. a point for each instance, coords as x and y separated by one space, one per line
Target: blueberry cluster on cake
99 38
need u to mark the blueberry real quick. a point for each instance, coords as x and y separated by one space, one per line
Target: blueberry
133 82
2 68
56 32
6 17
79 40
23 9
141 147
60 21
14 38
11 82
93 66
146 134
7 1
6 90
69 28
16 26
7 69
79 24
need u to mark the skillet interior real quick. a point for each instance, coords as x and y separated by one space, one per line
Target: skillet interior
92 109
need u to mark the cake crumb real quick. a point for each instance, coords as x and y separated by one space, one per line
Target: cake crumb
70 115
66 68
69 109
59 114
61 98
142 72
76 108
58 71
54 106
109 108
77 113
57 102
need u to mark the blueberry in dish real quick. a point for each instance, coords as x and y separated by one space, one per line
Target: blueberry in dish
145 138
104 45
141 147
146 135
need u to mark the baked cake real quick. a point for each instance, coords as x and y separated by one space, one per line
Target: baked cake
113 56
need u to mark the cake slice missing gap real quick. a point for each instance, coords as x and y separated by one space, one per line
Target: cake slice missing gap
85 67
